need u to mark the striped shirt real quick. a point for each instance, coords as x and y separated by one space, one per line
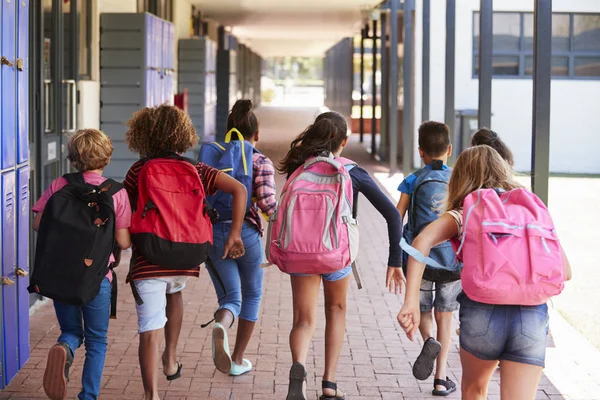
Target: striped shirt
140 268
263 190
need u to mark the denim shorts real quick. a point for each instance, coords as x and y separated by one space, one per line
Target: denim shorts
499 332
333 276
445 296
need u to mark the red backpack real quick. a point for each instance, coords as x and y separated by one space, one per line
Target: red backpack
171 226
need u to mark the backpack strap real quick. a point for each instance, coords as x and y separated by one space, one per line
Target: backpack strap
111 186
417 255
75 178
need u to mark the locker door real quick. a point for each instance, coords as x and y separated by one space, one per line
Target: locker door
23 83
9 96
9 289
22 271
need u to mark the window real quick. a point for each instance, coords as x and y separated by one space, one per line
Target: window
161 8
575 45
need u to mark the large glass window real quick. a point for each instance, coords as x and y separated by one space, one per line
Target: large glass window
575 45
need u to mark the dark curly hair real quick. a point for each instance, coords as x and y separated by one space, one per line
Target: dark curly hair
325 135
490 138
243 119
161 129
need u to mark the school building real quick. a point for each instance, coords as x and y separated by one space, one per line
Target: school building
70 64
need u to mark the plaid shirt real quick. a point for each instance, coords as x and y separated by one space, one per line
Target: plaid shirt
263 190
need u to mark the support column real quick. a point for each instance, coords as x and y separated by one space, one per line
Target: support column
486 19
363 33
426 59
409 112
385 76
374 93
393 128
542 75
449 112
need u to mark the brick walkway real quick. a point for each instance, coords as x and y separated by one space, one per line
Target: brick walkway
376 359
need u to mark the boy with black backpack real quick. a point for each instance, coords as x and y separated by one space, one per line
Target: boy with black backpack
81 218
422 194
171 230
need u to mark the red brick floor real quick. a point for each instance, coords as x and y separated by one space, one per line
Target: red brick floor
376 359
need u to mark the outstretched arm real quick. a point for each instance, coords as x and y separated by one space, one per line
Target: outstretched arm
234 247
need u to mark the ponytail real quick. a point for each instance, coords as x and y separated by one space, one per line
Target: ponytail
243 119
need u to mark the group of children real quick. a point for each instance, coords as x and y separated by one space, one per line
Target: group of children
226 196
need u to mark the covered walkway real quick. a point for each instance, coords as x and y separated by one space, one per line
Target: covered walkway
376 359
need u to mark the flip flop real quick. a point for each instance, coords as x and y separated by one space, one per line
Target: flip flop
423 366
177 374
448 384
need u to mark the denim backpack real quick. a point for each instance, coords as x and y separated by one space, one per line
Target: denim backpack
234 157
430 188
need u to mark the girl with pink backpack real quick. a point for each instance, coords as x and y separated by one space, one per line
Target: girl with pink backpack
513 264
313 237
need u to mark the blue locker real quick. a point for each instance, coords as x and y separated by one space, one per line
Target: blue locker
9 95
23 226
149 85
164 48
9 289
23 83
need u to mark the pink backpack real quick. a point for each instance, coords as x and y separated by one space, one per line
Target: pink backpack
313 231
509 248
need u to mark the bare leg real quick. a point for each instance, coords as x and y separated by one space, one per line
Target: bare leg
476 376
426 325
148 355
335 328
244 333
172 330
305 291
519 381
444 336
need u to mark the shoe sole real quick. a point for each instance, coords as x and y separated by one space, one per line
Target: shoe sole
222 359
423 366
297 378
55 383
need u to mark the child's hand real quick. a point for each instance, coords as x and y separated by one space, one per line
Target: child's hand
409 318
234 247
394 280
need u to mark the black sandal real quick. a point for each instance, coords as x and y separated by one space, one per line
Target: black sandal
332 386
448 384
297 389
423 366
177 374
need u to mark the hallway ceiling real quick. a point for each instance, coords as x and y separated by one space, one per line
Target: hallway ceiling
288 27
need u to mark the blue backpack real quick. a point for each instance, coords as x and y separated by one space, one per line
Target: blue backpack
233 157
430 188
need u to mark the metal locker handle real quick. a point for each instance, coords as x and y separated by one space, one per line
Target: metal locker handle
72 104
5 61
7 281
47 95
21 272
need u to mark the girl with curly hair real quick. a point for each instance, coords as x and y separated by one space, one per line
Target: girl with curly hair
166 132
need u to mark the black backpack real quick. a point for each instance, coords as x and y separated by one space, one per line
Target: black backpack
75 240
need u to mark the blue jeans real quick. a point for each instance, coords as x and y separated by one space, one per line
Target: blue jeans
239 283
501 332
96 315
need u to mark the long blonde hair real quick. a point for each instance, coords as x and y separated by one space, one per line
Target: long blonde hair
478 167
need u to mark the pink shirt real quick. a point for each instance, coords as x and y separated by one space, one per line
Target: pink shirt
121 201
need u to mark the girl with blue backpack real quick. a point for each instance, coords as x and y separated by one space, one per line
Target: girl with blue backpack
513 264
238 282
324 214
